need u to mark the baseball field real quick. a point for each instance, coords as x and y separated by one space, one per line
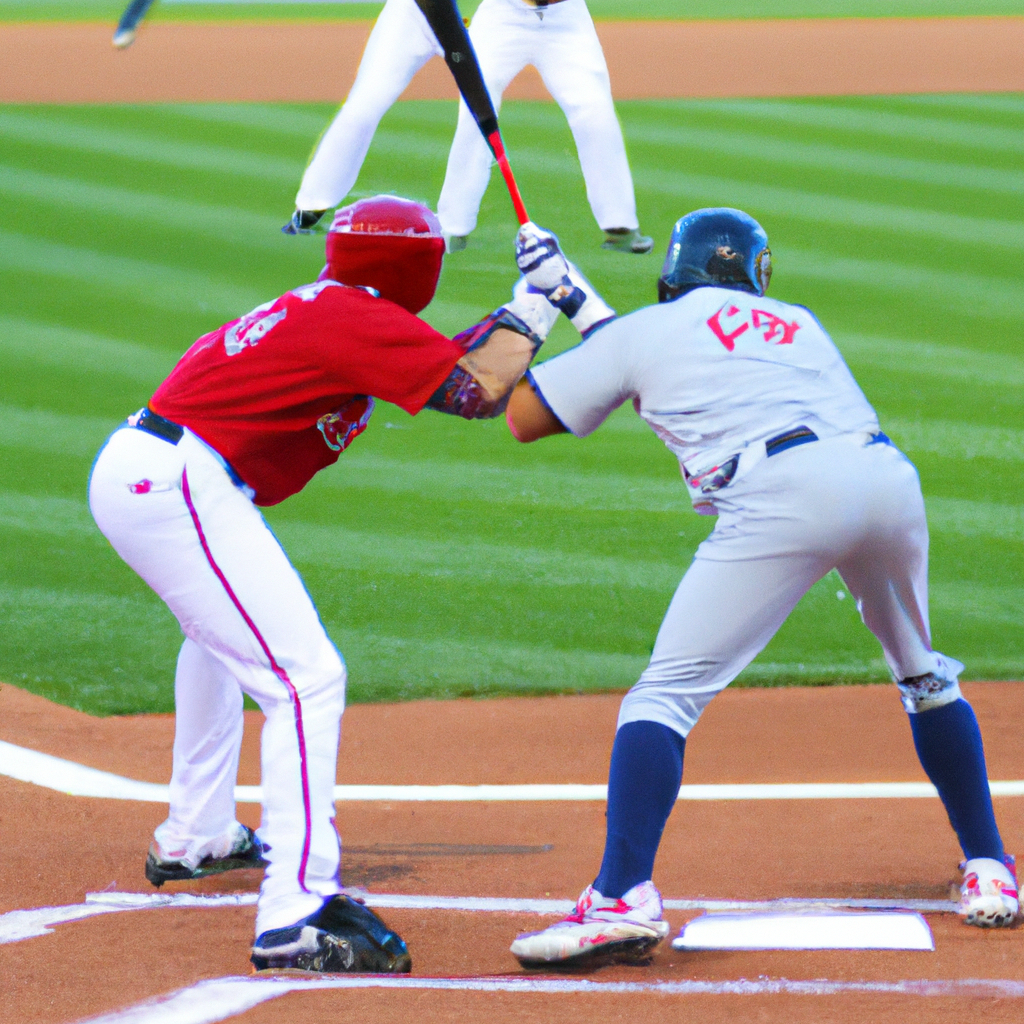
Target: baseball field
449 562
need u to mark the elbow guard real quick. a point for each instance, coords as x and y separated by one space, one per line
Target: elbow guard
463 395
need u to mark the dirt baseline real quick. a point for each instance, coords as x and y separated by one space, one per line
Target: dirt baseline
316 62
58 848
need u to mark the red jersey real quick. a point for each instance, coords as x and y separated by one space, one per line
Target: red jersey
282 391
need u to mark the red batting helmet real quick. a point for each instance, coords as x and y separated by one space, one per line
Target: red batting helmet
391 244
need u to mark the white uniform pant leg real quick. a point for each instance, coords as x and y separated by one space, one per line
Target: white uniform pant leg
502 37
721 617
399 45
571 63
206 550
207 742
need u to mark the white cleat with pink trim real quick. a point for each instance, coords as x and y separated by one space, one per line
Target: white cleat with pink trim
988 893
600 931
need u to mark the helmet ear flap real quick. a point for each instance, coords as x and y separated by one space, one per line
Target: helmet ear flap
763 263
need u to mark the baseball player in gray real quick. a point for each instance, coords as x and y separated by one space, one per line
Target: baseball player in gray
773 436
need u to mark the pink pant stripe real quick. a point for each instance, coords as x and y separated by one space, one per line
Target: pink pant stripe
277 670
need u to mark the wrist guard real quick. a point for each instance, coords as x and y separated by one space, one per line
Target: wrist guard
473 337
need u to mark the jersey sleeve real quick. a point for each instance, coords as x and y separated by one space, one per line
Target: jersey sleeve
583 386
375 347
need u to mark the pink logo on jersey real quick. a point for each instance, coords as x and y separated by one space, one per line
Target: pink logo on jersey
342 427
142 487
770 326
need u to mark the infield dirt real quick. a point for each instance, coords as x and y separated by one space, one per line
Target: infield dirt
300 62
58 848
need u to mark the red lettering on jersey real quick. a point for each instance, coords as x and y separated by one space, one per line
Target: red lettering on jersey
728 340
775 324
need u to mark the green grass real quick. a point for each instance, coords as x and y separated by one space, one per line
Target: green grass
110 10
445 558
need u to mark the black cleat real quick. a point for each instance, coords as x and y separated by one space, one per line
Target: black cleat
303 222
247 852
343 935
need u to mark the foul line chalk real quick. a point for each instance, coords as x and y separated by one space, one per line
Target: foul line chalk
18 925
215 1000
79 780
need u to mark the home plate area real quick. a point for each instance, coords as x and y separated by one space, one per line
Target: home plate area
83 937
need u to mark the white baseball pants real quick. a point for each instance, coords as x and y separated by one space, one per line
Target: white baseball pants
174 515
563 46
399 45
841 504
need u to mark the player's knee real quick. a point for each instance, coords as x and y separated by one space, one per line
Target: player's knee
926 692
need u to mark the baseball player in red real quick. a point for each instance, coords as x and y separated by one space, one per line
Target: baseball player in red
776 439
250 413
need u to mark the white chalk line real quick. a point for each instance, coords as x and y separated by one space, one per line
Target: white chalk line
215 1000
75 779
18 925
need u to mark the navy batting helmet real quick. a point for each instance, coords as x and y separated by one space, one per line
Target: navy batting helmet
718 246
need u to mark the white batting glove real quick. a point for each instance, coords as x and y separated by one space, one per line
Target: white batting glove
533 308
540 259
594 312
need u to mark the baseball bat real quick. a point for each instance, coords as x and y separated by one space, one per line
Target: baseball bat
124 34
445 20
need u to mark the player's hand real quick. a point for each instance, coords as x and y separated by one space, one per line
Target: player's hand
540 259
533 308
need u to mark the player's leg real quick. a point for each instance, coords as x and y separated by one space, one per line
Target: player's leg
399 45
500 33
888 575
721 617
201 835
172 512
572 65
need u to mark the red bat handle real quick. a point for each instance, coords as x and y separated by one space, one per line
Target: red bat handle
498 148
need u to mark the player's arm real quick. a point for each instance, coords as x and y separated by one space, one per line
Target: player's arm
529 417
498 351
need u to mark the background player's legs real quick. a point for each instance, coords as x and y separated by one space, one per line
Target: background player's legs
502 36
399 45
572 65
721 617
207 740
205 549
888 576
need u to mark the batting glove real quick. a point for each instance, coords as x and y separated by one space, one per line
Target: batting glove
546 269
533 308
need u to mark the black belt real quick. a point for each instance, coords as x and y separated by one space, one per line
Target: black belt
146 419
789 439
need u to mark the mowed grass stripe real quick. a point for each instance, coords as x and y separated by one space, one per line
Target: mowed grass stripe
903 358
59 132
676 139
66 347
835 211
148 283
873 121
225 223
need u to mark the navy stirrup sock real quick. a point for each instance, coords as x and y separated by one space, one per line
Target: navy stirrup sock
643 784
948 742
